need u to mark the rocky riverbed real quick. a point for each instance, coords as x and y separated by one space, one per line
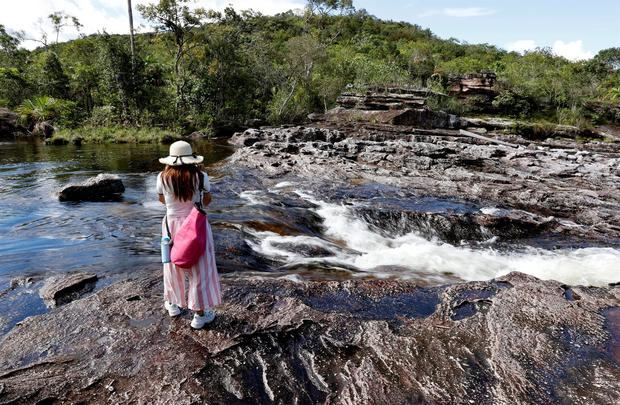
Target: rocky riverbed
377 255
514 339
572 188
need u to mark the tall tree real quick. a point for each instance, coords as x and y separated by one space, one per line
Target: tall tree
326 7
13 84
131 34
61 20
176 17
54 81
8 43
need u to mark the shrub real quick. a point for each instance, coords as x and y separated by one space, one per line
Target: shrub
513 104
104 116
573 116
46 108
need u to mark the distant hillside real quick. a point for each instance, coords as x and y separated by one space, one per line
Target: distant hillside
245 66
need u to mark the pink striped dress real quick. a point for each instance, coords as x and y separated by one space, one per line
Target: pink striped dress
204 281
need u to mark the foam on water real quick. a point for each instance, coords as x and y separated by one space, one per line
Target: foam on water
367 250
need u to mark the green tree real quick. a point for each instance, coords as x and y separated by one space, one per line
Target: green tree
54 81
327 7
301 57
176 17
8 43
610 58
61 20
420 61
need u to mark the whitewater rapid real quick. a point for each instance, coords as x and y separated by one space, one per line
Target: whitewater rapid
371 252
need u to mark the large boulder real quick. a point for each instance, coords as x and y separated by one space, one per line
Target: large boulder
477 90
475 83
382 101
104 187
43 129
416 117
8 123
59 290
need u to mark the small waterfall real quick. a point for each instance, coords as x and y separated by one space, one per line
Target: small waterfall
349 241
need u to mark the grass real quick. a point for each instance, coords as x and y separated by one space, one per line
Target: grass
112 135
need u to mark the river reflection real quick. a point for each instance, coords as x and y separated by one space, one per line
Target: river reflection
39 234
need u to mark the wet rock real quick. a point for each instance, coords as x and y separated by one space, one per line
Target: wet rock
455 228
57 141
59 290
234 253
169 139
197 136
43 129
8 123
303 249
579 187
23 281
344 342
103 187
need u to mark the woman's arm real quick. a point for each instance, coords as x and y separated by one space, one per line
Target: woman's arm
206 199
162 199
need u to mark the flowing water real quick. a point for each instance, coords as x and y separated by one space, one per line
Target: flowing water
415 256
292 229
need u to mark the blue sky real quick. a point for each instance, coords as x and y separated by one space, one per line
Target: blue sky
575 29
596 23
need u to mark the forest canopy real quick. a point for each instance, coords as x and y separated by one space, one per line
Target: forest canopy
205 70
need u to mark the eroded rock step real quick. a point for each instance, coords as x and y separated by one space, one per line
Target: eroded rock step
577 187
337 342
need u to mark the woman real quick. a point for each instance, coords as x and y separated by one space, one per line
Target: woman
178 188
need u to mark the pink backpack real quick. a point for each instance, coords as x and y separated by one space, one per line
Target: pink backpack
190 241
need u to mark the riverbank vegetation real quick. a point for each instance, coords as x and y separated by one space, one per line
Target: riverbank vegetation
111 134
211 71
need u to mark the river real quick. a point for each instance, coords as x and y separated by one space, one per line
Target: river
293 229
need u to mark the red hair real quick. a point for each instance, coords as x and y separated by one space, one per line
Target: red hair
182 179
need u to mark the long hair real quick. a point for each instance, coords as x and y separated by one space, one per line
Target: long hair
182 179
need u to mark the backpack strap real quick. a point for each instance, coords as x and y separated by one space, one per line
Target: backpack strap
201 188
201 181
168 229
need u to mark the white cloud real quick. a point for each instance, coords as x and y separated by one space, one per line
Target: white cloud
521 45
570 50
30 16
429 13
468 12
458 12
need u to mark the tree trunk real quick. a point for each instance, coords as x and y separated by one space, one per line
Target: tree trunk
131 34
132 42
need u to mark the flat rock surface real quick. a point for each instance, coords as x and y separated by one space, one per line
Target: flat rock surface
102 187
512 340
577 185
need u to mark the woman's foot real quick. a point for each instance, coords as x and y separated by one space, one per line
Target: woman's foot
173 309
200 321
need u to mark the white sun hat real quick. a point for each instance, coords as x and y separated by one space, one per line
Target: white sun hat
181 154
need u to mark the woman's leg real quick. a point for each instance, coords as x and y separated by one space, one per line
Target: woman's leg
174 285
197 298
212 276
174 278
